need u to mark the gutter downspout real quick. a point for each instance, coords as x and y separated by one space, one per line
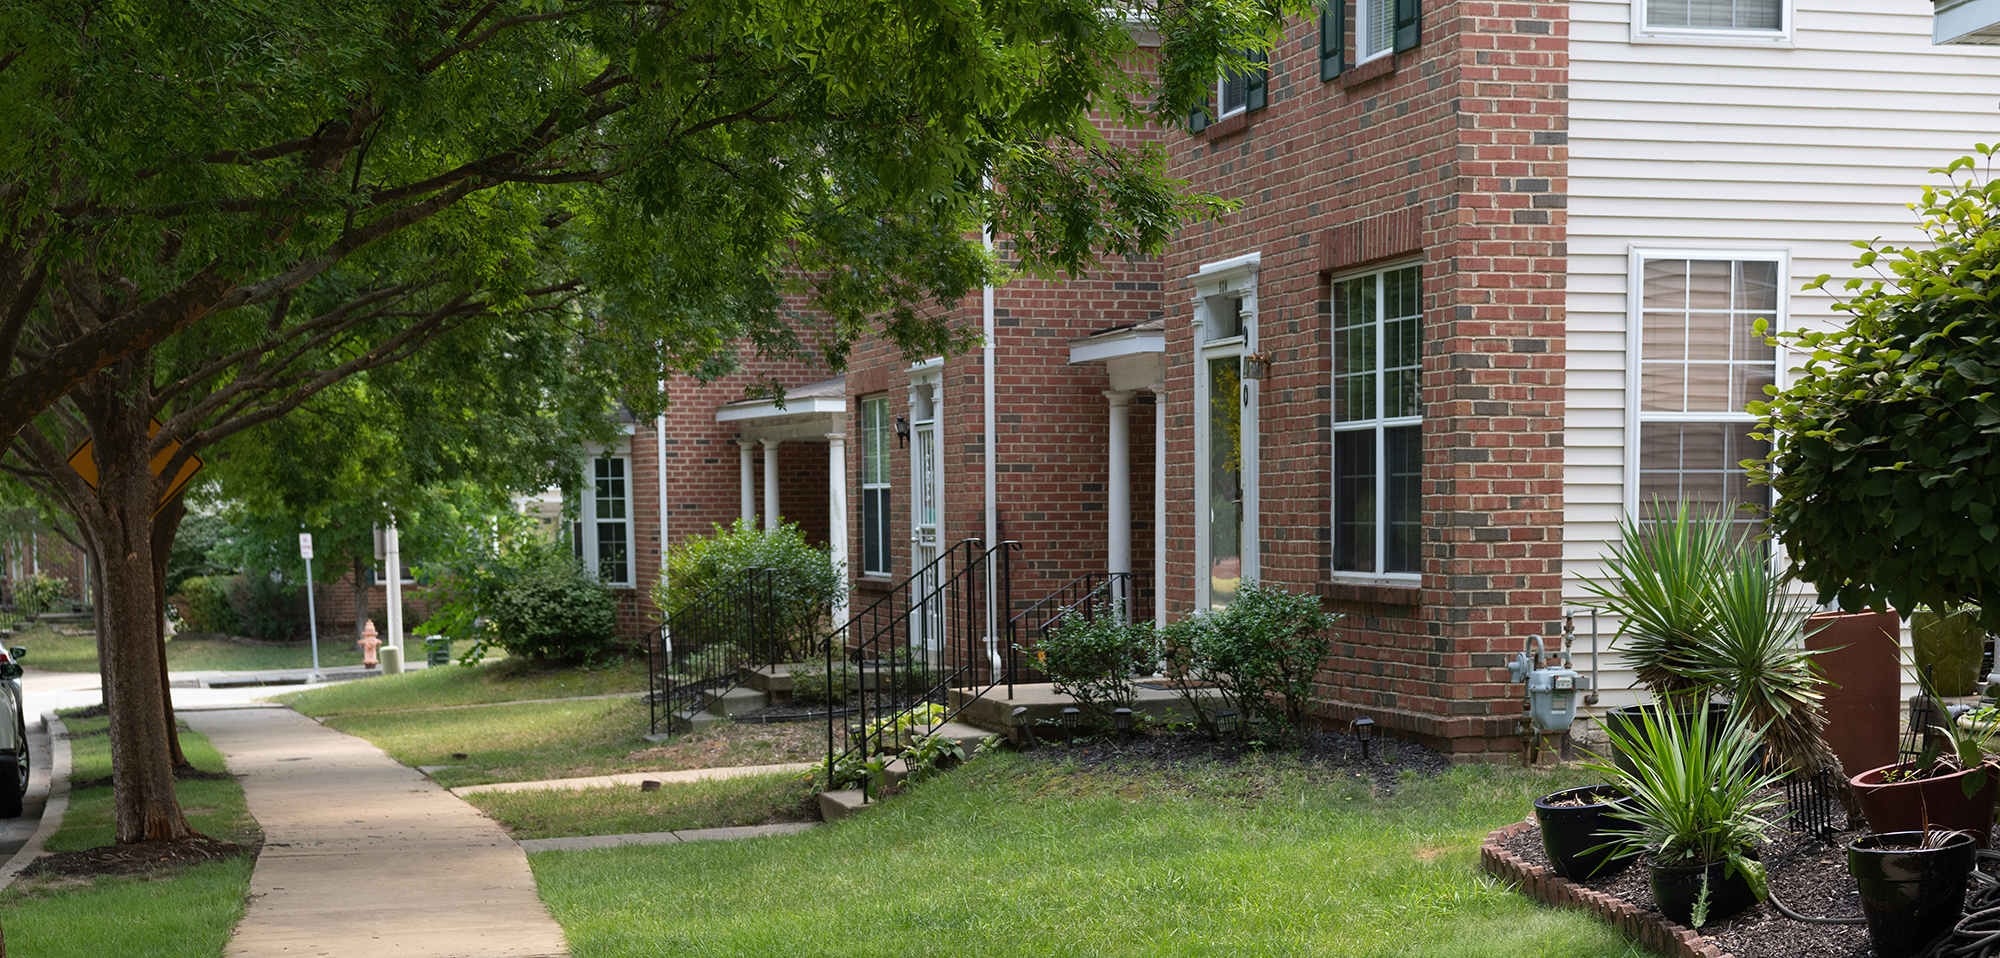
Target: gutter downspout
993 612
660 480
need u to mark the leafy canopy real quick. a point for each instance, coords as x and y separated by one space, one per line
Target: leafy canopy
1884 450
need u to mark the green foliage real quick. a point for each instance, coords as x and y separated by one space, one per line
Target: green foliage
270 609
40 592
1886 446
207 601
1260 655
1695 793
1091 654
796 584
1663 573
922 752
525 594
813 682
196 543
1949 646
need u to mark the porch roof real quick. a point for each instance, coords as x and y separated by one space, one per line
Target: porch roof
809 412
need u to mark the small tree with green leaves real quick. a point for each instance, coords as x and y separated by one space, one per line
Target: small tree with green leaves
1886 447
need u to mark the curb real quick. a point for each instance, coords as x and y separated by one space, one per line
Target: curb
52 812
1645 927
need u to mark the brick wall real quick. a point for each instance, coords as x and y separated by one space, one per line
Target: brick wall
1453 154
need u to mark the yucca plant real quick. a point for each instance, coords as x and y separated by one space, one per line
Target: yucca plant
1753 650
1662 574
1696 797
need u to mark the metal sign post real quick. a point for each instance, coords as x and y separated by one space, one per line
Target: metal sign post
312 616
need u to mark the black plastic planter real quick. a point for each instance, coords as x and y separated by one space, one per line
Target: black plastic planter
1910 895
1570 832
1677 887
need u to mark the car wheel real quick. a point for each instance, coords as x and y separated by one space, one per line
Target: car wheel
12 787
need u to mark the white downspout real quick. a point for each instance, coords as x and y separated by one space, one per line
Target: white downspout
660 480
993 611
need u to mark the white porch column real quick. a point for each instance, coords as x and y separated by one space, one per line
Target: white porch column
836 513
1118 511
1159 391
748 480
770 484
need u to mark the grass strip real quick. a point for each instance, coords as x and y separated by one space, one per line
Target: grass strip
183 912
508 680
1019 856
625 810
521 742
51 651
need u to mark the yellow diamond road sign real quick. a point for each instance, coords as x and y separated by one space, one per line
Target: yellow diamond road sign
86 466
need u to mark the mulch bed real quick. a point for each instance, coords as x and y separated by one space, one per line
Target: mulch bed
1334 753
1808 872
136 859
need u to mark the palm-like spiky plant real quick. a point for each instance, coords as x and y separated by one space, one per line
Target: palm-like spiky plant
1662 574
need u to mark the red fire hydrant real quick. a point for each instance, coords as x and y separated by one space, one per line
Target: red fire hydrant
369 643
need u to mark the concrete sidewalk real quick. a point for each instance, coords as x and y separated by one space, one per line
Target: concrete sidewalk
364 857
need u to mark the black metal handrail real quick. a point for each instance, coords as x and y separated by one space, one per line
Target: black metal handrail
709 646
943 628
1083 594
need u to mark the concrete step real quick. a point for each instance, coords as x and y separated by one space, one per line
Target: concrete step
836 805
737 701
775 680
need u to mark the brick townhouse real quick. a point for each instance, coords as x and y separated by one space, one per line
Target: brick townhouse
1493 285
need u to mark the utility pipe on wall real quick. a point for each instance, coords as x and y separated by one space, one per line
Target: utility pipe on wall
660 480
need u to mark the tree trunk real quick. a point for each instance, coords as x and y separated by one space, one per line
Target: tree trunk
142 741
165 524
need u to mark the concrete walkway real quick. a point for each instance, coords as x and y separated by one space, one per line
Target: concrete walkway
364 857
634 778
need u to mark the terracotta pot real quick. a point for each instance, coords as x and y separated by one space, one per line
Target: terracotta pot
1863 701
1907 806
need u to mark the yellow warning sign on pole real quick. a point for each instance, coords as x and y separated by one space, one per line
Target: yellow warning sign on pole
86 466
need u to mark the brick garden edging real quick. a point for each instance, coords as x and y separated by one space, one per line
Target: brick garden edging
1644 926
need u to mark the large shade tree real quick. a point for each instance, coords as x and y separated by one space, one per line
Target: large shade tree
210 213
1886 446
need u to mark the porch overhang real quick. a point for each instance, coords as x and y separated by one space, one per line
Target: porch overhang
1965 22
1134 356
809 412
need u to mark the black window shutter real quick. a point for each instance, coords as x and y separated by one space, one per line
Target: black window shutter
1256 85
1198 117
1332 39
1409 24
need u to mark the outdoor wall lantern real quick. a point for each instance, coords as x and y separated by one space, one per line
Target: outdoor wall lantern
1225 723
1364 732
1069 717
1027 728
1122 718
902 432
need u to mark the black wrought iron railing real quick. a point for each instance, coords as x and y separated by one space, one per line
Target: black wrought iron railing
709 646
1087 595
944 628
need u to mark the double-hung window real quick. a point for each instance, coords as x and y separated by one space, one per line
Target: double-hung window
1379 27
1236 91
611 520
877 441
1378 422
1700 358
1712 21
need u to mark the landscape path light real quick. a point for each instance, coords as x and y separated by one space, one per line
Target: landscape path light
1122 718
1225 723
1027 728
1364 732
1069 717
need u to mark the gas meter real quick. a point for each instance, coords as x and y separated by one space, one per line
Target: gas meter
1552 688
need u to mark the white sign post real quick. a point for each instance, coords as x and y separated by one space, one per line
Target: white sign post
312 616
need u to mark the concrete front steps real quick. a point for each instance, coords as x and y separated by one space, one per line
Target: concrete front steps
994 710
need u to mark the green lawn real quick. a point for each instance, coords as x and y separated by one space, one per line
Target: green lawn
507 680
509 743
1016 856
175 913
78 653
553 813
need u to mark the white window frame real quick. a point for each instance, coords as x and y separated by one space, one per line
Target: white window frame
1379 426
1235 277
884 431
1362 37
1702 36
591 524
1635 274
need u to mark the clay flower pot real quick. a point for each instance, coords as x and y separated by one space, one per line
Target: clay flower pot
1938 803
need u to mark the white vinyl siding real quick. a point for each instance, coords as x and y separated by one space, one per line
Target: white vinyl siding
1801 149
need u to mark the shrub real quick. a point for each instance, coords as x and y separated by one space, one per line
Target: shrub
206 599
812 682
802 579
39 593
1091 657
1260 653
268 609
531 598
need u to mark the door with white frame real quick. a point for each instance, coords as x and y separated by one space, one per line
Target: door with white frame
926 502
1225 315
